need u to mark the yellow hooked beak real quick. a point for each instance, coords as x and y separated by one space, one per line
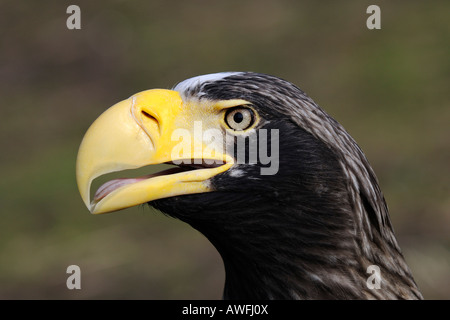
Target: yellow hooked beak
138 132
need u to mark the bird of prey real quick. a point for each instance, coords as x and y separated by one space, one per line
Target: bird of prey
279 187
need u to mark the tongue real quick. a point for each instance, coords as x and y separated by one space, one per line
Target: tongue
112 185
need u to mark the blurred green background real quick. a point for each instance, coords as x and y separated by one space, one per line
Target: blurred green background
388 87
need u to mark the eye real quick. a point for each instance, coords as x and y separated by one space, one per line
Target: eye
239 118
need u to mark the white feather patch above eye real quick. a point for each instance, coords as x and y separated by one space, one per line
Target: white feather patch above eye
187 84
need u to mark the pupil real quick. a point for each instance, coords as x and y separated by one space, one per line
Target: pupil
238 117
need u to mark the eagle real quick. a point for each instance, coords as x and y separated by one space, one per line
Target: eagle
278 186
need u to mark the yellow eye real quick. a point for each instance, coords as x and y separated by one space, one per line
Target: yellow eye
239 118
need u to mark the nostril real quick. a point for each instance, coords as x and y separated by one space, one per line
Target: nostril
148 115
149 123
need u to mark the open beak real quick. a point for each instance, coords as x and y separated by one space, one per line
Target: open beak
138 132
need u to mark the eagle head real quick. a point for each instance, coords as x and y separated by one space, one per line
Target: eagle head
278 186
